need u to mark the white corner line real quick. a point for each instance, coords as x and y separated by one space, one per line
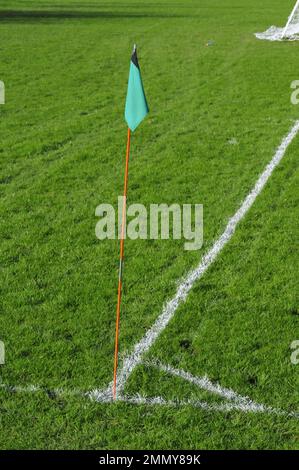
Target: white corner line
135 358
186 284
238 405
211 407
98 397
59 392
204 383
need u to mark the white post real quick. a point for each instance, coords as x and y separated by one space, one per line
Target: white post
290 19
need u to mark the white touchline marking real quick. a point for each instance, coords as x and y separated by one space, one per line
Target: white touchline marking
60 392
152 401
222 407
135 358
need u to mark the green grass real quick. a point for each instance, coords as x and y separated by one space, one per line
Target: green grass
65 67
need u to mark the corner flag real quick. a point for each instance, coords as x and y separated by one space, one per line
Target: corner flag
136 110
136 104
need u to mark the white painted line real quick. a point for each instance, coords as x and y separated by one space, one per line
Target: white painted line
243 403
203 383
21 388
238 405
95 395
222 407
59 392
135 358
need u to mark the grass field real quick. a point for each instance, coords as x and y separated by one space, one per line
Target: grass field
65 68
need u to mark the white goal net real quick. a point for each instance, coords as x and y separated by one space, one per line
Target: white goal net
290 32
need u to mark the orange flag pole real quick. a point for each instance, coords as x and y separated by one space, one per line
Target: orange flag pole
121 262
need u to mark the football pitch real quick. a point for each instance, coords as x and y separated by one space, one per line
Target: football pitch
206 336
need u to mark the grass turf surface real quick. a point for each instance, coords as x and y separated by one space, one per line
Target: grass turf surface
65 67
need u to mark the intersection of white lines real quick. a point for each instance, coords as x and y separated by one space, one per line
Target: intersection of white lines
233 401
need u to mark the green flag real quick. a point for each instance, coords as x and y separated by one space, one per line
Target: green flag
136 104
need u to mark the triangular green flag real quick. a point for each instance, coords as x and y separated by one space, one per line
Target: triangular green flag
136 104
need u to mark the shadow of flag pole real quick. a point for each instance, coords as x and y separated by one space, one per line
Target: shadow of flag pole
135 111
